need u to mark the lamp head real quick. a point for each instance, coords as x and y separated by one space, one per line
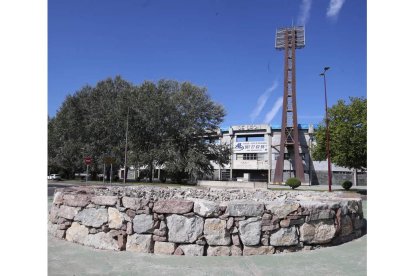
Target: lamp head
326 68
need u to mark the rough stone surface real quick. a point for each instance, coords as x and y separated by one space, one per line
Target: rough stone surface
164 248
143 224
104 200
250 231
92 217
192 249
58 198
67 212
55 231
78 200
230 222
358 223
346 226
282 209
236 250
133 203
317 232
115 218
216 232
101 240
221 222
284 237
159 238
218 251
178 251
235 239
160 233
321 214
184 230
173 206
140 243
258 250
205 208
245 208
77 233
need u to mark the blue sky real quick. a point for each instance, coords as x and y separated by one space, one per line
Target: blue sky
225 46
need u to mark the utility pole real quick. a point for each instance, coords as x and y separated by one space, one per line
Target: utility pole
126 147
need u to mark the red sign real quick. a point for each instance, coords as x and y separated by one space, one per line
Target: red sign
88 160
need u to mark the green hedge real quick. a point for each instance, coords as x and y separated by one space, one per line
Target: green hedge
293 182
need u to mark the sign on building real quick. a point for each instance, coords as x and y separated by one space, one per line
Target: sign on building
243 147
249 127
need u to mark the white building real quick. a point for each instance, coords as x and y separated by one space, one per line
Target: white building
255 149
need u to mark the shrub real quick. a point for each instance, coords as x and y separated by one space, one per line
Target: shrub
347 185
293 182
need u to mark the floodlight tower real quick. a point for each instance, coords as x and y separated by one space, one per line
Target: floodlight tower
289 39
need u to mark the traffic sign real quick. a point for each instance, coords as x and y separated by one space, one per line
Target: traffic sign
88 160
109 160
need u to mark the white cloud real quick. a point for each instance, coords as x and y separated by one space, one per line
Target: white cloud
272 113
304 12
334 8
261 101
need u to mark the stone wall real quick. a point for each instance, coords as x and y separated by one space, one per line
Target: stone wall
209 222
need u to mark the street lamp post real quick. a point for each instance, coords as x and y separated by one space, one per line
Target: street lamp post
126 147
328 152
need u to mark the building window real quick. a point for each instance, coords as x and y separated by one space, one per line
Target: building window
249 156
239 156
250 138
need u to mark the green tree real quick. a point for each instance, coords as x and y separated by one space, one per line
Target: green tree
167 125
89 123
348 134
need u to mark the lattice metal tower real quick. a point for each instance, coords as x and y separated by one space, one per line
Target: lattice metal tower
289 39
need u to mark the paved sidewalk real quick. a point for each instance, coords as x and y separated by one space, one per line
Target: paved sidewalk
66 258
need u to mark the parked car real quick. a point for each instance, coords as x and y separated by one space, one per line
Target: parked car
54 177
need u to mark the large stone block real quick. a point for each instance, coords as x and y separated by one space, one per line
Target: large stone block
78 200
115 218
258 250
173 206
216 232
245 208
192 249
143 224
320 214
54 214
184 230
284 237
54 230
281 209
134 203
219 251
317 232
140 243
205 208
58 198
346 226
104 200
77 233
164 248
101 240
92 217
236 250
250 231
67 212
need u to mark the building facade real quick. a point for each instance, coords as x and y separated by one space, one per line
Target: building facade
255 149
